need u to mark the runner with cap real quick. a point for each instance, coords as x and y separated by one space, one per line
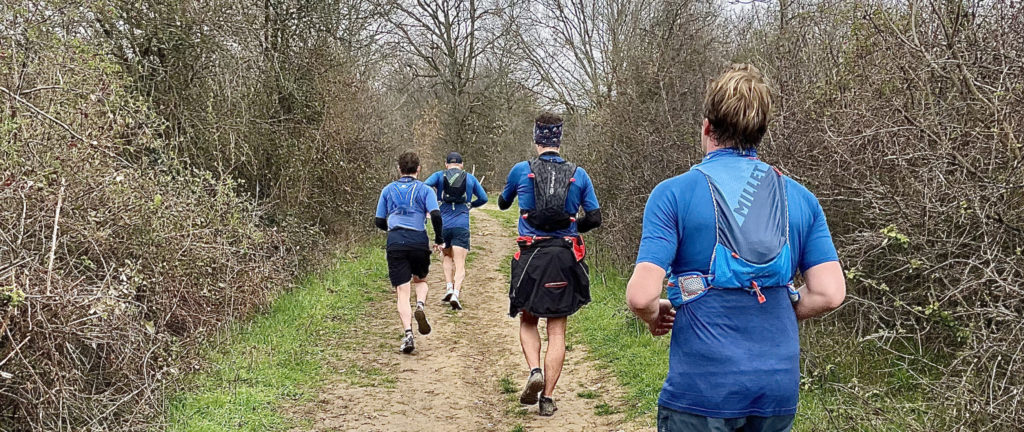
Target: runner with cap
549 277
455 189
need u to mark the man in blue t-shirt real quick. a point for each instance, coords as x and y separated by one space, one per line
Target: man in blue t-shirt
402 211
549 277
731 234
455 191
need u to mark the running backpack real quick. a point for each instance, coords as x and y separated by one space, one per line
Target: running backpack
551 181
453 191
752 249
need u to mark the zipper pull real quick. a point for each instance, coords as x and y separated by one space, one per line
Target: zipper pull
760 297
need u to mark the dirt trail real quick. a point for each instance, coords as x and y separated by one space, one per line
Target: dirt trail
452 382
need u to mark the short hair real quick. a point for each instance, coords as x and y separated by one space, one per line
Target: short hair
408 162
738 105
548 118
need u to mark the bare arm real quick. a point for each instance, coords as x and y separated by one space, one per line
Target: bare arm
824 290
643 295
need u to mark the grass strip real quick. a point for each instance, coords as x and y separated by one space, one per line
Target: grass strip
280 356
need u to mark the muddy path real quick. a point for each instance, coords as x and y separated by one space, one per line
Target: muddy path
466 375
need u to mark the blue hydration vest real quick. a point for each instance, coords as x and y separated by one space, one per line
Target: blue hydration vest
405 207
752 249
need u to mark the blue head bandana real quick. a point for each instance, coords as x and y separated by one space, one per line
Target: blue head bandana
547 135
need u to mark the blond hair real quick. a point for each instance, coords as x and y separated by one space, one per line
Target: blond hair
738 106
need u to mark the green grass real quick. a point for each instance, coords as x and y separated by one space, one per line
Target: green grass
280 357
587 394
845 381
603 409
849 382
518 428
509 219
620 342
506 385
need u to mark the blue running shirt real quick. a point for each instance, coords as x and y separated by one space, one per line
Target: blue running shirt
457 215
729 356
581 194
406 203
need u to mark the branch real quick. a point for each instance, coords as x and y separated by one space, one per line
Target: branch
53 241
40 112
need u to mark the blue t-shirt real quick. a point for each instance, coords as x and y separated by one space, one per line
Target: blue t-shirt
581 193
457 215
406 203
729 355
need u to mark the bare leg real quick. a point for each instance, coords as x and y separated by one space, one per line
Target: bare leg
555 355
529 338
404 311
448 263
421 290
459 258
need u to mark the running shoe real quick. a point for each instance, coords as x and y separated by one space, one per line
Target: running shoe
421 321
448 295
456 304
547 407
534 385
407 344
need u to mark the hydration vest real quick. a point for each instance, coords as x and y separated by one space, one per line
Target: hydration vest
401 201
551 181
453 189
752 249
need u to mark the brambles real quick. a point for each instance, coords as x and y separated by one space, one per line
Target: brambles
906 121
124 244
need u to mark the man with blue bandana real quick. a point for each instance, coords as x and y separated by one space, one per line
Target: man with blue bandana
731 234
402 211
549 277
455 191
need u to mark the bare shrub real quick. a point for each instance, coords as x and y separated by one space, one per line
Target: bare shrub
906 122
118 254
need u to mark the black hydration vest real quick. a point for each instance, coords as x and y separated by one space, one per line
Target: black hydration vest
551 181
454 189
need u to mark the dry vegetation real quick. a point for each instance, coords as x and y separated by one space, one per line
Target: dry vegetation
168 166
160 179
906 121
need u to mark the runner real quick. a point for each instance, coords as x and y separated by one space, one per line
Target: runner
455 191
732 232
549 278
402 211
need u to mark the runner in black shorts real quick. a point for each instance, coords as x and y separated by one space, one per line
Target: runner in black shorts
455 191
403 264
402 211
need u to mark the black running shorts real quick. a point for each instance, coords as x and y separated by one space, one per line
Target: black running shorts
403 264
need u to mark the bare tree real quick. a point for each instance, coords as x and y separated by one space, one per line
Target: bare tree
447 39
574 51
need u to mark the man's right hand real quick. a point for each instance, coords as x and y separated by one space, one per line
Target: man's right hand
662 323
643 296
